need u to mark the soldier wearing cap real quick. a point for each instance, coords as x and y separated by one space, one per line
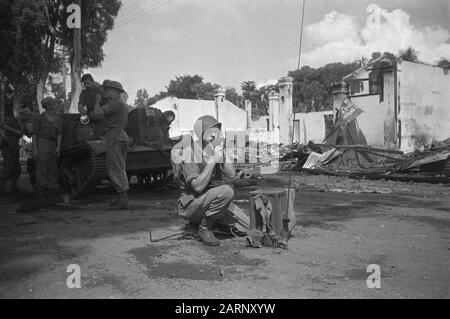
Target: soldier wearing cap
88 96
115 115
12 132
47 131
207 195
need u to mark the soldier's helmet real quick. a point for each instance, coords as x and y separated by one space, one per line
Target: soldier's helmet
203 123
113 84
48 101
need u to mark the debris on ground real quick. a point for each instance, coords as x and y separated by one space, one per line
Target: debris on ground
345 153
367 162
359 161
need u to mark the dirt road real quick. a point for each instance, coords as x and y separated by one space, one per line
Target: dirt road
342 227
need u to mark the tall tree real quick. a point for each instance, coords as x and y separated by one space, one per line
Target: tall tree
37 36
444 63
27 44
234 97
312 88
259 97
191 87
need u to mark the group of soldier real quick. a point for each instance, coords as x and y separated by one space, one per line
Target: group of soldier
102 103
206 182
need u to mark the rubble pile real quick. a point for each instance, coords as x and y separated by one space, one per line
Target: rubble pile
345 153
362 161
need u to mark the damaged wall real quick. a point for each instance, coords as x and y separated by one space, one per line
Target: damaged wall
262 123
187 111
310 126
424 105
377 121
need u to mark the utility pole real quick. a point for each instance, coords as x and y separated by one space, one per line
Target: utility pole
64 75
76 65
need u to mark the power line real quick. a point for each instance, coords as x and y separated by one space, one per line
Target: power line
133 12
127 9
145 12
137 10
301 35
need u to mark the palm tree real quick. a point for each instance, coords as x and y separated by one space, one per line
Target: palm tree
409 54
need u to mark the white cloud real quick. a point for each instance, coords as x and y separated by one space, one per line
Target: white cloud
334 26
338 38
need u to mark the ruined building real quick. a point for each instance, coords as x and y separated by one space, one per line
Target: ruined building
406 105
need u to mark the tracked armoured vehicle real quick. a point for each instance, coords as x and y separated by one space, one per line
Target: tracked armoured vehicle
82 163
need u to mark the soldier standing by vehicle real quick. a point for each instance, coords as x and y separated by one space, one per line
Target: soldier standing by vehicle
115 114
10 151
88 96
47 131
206 201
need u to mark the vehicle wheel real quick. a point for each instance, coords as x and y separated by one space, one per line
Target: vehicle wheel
159 179
141 180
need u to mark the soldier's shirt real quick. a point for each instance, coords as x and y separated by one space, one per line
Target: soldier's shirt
43 128
191 162
116 114
88 96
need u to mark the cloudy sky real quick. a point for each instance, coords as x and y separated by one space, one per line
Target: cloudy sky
231 41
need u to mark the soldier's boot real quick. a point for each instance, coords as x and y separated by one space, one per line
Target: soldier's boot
122 202
205 234
207 237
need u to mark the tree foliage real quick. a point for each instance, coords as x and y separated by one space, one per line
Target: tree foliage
259 97
312 89
444 63
234 97
187 87
191 87
141 99
35 36
409 54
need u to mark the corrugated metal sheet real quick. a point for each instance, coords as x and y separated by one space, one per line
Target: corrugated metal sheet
315 158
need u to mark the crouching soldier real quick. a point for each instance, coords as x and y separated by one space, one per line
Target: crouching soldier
47 131
206 201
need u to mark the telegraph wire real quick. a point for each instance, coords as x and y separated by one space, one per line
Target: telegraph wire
135 11
123 23
131 6
149 10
